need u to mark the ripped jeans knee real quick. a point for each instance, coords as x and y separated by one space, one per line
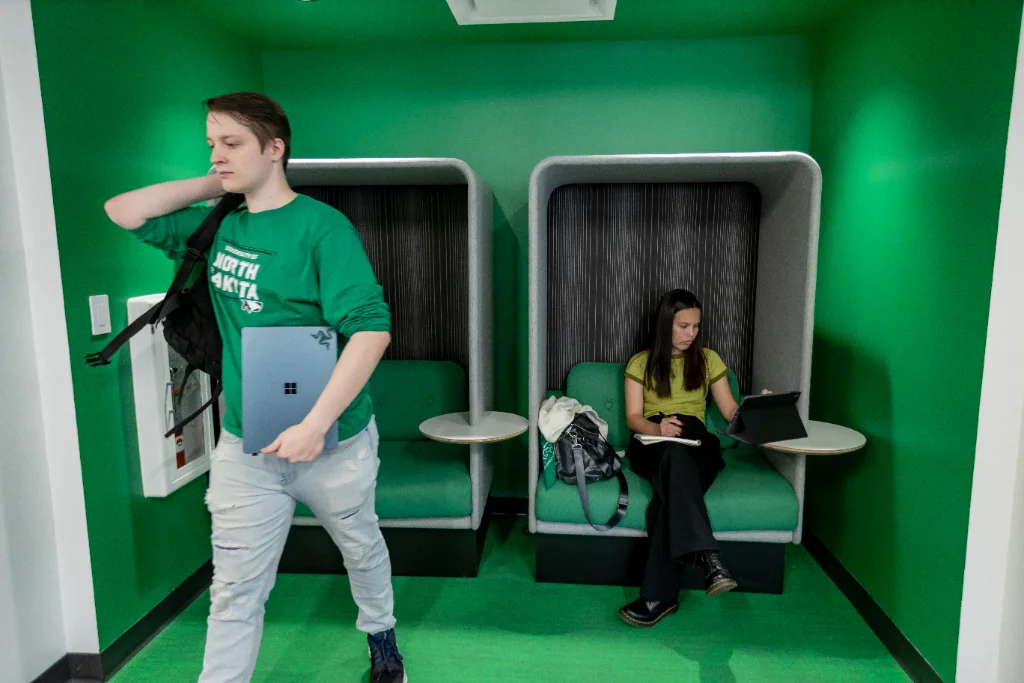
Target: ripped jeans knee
241 581
244 558
364 554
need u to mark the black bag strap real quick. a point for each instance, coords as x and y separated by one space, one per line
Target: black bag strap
217 389
581 484
103 357
198 242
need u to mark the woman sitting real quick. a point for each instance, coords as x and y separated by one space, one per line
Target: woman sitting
666 393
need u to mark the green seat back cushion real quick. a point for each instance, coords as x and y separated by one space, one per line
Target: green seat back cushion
407 392
715 421
601 386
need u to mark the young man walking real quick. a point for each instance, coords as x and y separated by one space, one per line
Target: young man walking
283 259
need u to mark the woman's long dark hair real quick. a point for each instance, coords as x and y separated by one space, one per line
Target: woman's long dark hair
659 363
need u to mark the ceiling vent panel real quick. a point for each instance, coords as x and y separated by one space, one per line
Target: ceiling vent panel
530 11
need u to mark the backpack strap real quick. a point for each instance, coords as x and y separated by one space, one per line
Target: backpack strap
103 357
217 388
197 243
581 485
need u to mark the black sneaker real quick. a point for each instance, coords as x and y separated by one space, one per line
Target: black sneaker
717 579
385 662
646 613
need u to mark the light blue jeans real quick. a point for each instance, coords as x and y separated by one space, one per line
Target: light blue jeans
252 500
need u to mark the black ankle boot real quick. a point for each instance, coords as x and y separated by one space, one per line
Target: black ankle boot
647 613
717 579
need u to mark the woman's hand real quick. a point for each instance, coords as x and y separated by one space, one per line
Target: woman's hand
671 426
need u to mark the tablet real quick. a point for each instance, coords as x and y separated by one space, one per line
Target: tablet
765 418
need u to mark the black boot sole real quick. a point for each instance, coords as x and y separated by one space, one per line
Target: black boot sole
647 624
720 586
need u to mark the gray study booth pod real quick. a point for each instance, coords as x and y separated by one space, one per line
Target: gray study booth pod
426 226
607 236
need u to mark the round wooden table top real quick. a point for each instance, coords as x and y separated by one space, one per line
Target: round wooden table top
492 427
823 438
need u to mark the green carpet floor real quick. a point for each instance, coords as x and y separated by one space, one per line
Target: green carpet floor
502 626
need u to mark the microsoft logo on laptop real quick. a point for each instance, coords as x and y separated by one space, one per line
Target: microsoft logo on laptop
291 388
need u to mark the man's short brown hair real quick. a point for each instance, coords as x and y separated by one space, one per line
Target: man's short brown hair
260 114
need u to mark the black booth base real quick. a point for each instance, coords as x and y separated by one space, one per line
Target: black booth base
619 561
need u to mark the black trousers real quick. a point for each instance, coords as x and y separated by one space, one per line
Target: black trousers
677 518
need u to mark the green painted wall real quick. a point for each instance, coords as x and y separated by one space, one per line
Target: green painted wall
427 23
123 85
911 107
503 109
908 120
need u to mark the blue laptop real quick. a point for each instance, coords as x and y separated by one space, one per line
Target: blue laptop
284 371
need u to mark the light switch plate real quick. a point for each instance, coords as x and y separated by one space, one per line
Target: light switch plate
99 312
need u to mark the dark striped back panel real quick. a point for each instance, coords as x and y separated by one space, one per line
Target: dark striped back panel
613 250
416 239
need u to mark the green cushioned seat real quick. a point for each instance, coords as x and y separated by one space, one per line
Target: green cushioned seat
418 478
748 495
421 479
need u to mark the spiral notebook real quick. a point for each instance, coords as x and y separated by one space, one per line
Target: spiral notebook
647 439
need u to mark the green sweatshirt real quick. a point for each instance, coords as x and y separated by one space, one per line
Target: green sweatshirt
299 265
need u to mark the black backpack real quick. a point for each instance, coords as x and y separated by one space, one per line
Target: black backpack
583 456
190 326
